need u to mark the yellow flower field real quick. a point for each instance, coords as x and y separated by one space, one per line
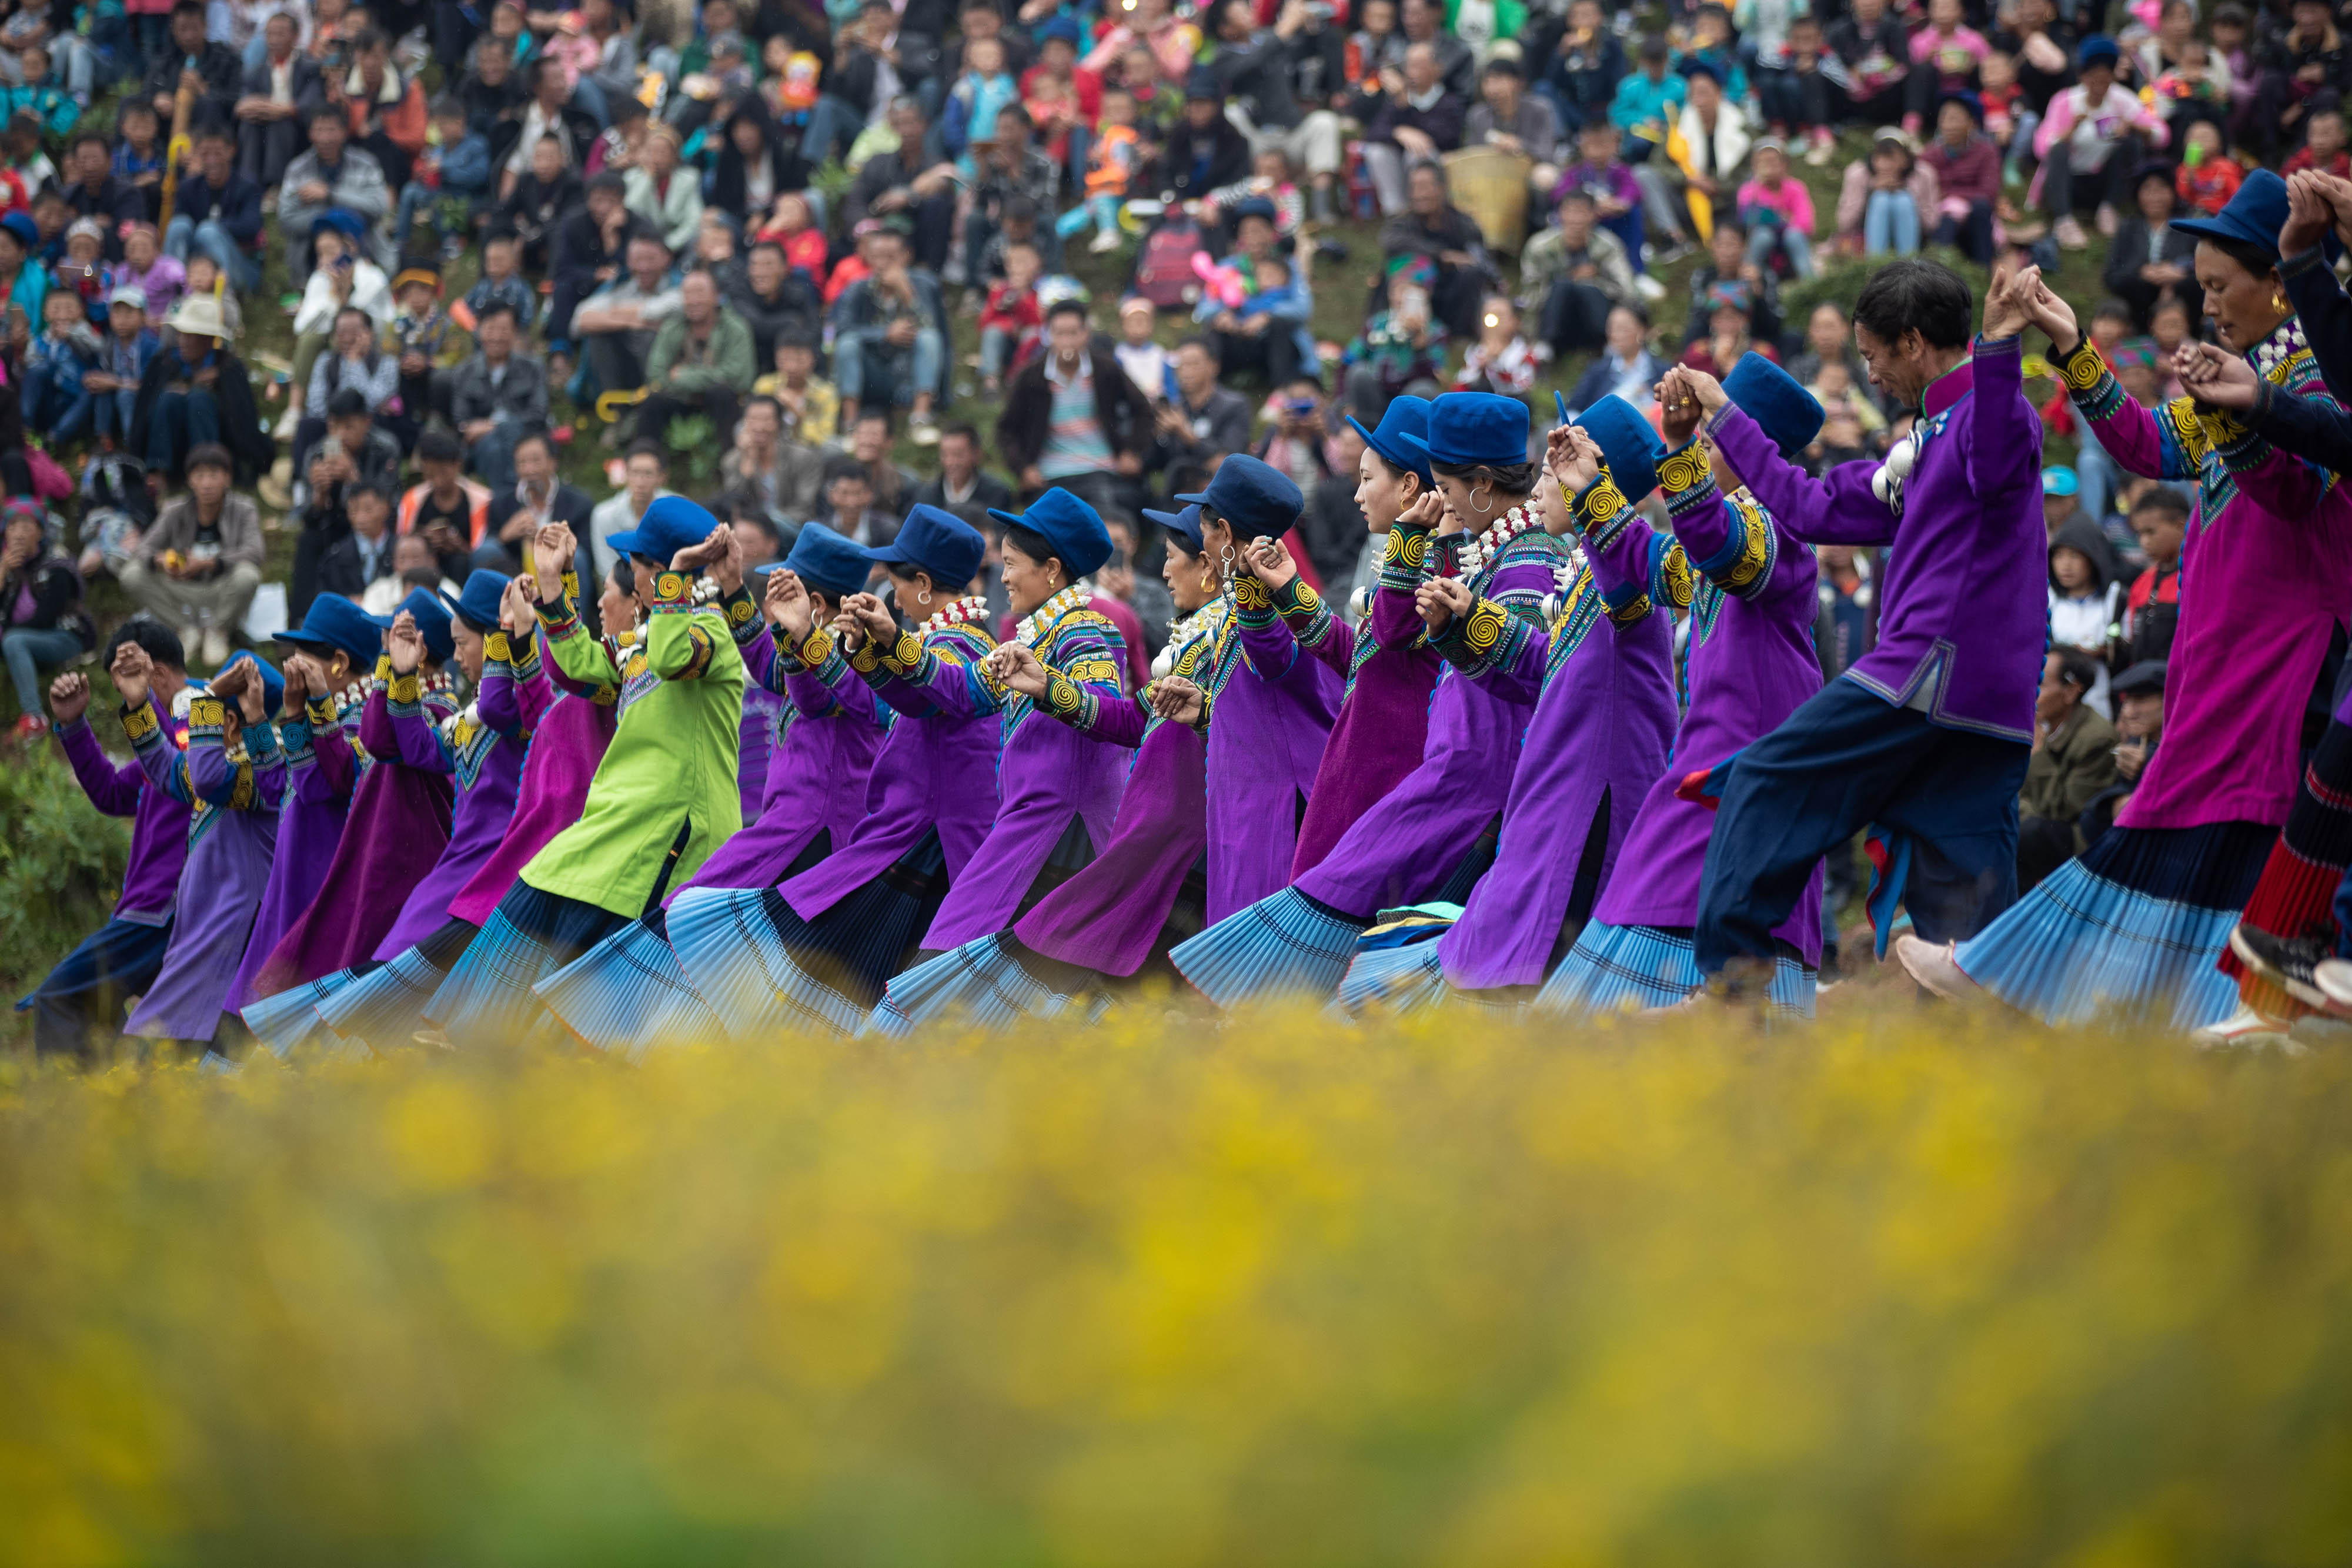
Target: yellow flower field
1907 1289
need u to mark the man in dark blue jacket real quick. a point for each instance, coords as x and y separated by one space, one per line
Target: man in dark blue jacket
218 212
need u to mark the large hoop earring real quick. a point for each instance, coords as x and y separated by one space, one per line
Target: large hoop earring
924 597
2278 301
1482 508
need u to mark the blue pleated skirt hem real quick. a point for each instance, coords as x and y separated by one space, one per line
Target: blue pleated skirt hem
1634 969
290 1020
385 1007
628 995
1396 979
979 984
1285 944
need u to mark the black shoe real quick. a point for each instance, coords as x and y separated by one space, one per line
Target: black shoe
1331 250
2286 962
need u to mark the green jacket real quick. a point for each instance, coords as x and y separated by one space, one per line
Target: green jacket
666 794
726 360
2074 763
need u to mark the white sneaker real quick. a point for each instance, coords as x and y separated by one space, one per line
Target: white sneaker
1934 965
2243 1028
2334 979
1105 240
2069 234
923 429
215 646
2105 219
1649 287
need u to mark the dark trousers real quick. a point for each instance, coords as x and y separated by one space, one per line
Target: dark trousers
571 288
453 34
2064 192
1844 761
719 402
1274 352
263 148
612 359
1575 317
1794 100
85 993
1972 234
2043 844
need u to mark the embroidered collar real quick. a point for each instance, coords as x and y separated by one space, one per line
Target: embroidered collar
1947 389
2274 353
958 613
1040 621
1203 625
1488 545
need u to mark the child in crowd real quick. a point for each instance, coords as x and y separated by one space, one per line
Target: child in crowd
113 382
1599 172
418 324
793 227
139 150
1111 162
1148 365
80 272
205 277
1778 210
1010 324
502 283
1269 181
2003 100
58 110
449 182
50 215
53 399
1051 96
2168 325
163 279
2084 606
1833 388
1648 100
1501 361
978 97
2159 521
1711 44
812 405
2207 176
1016 223
1945 57
539 201
2323 146
1728 275
1401 347
21 157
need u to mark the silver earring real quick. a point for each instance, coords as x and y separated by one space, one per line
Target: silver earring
924 597
1481 507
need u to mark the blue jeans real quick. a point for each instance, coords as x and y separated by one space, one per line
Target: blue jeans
237 265
1890 223
27 650
833 126
85 993
50 408
180 421
109 412
1766 239
856 363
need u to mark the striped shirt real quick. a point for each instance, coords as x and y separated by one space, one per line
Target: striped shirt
1075 442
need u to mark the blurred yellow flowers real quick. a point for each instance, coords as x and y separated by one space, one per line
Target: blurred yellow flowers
1905 1289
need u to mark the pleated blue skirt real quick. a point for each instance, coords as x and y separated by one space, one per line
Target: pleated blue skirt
1632 968
980 983
628 994
385 1007
290 1020
487 997
1285 944
2138 923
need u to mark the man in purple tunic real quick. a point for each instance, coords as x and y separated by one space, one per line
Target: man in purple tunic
119 960
1926 737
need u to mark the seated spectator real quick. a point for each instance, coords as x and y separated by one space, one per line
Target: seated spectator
215 70
2308 70
123 355
961 481
342 279
537 497
1624 367
1794 88
617 324
1727 341
1945 56
590 253
145 267
2207 176
888 348
2084 606
849 509
2090 143
1650 99
355 362
1868 64
1581 75
446 498
1512 120
1011 325
196 568
701 362
333 177
195 394
2074 759
280 89
501 282
386 108
1418 121
1402 346
1278 82
496 397
1114 159
1692 188
1778 210
668 200
769 294
1073 419
756 165
2140 725
1501 361
353 450
1015 169
1267 331
2151 260
363 556
218 211
546 112
1151 366
1707 44
93 192
54 398
1728 277
40 607
539 202
811 405
870 439
1839 393
780 479
644 480
2152 606
2323 146
1609 180
1202 423
1298 439
414 565
1968 177
1573 275
906 180
138 153
1887 199
1435 228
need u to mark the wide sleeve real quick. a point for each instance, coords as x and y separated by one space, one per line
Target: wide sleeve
1503 652
950 676
679 645
817 680
578 655
497 701
1840 508
2004 431
1308 620
1637 570
211 777
165 764
2287 484
1735 547
112 787
1404 561
376 736
1269 652
412 727
1082 661
2168 442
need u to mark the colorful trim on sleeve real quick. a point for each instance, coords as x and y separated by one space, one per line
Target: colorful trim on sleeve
1303 612
1404 558
260 741
296 735
1487 639
139 724
207 719
742 612
905 658
403 696
1073 703
673 593
706 648
2089 383
1600 512
1743 566
1686 479
1253 604
561 620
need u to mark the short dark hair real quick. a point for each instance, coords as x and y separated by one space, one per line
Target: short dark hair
180 6
646 447
157 641
535 438
1206 345
347 402
497 306
319 111
136 105
845 467
869 414
378 488
2171 502
444 107
606 179
2259 261
2078 670
1066 308
77 144
438 447
1913 294
959 427
210 455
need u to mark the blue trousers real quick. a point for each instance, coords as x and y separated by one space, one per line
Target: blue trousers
180 421
86 992
1844 761
51 408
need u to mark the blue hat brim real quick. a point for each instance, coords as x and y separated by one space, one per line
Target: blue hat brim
1412 463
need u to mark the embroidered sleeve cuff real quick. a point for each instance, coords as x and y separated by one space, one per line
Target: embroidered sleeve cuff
673 593
866 659
560 620
495 649
704 649
207 719
2295 266
261 740
1071 703
1404 558
522 656
2012 344
1743 566
1446 552
139 724
905 658
1252 604
1687 480
1483 640
2088 381
1208 711
321 714
1600 512
295 735
742 614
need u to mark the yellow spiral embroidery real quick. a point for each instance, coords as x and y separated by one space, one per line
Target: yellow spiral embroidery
139 722
1634 614
1603 501
1098 671
1484 628
1062 698
739 613
1304 601
2082 368
905 653
1408 548
669 587
494 649
2181 415
1683 471
1674 574
1751 557
408 688
818 648
1251 594
636 667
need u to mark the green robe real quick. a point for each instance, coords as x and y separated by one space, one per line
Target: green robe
666 794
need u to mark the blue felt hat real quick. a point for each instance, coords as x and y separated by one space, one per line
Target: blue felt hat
1059 27
477 603
336 625
1252 497
338 220
1405 415
828 562
1185 525
2096 49
1773 398
432 619
937 542
671 524
1475 427
20 224
2252 217
273 684
1074 528
1628 445
1968 100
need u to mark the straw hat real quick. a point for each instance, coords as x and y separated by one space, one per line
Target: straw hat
199 316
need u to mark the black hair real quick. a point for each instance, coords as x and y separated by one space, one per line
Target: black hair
959 427
379 489
872 413
2258 260
540 436
77 144
1653 49
644 446
1066 308
207 454
496 307
319 111
1271 260
2078 670
347 401
757 399
196 5
448 106
1513 478
438 447
1912 294
1206 345
2112 310
622 576
2171 502
1037 548
628 107
608 181
369 38
134 105
157 641
845 467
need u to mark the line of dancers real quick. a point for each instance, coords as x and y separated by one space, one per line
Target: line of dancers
1495 784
